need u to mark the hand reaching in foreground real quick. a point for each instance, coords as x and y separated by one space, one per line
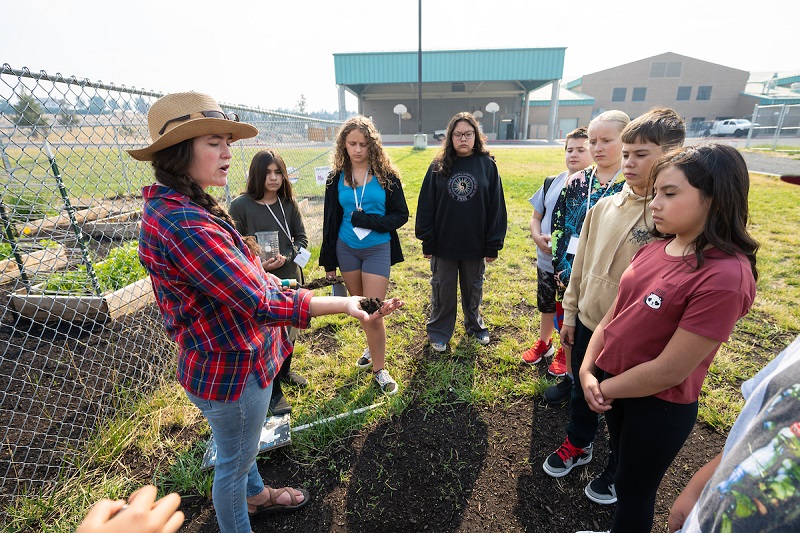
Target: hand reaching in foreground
142 514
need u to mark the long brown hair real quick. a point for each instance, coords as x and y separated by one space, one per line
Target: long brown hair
446 158
379 162
720 173
256 176
172 169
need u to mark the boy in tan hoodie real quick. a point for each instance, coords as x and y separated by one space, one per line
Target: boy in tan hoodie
614 229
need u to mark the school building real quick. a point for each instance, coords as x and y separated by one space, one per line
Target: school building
530 79
452 81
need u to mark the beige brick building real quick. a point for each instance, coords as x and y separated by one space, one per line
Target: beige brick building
696 89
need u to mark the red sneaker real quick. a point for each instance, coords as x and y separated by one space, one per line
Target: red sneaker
559 365
539 350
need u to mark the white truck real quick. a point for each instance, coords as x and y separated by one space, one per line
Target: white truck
738 127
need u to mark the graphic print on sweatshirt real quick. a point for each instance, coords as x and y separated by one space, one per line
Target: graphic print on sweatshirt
462 186
755 488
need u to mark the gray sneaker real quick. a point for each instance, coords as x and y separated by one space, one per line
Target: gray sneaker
565 458
385 382
601 489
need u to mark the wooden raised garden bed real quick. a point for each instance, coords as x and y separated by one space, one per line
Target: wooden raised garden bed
69 295
43 307
122 226
48 259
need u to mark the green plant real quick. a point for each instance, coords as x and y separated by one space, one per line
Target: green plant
121 268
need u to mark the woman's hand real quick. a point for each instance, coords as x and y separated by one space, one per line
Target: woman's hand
330 275
426 256
142 514
273 262
490 259
592 393
389 306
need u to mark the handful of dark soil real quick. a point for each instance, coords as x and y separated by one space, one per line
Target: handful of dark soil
370 305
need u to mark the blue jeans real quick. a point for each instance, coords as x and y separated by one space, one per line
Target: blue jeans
237 429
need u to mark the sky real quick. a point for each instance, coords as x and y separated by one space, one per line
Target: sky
268 53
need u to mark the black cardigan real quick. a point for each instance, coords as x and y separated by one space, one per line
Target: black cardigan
396 215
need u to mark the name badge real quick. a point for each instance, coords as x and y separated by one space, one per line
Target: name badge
361 232
572 247
302 257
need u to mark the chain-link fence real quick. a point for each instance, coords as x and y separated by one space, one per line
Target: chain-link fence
774 122
79 332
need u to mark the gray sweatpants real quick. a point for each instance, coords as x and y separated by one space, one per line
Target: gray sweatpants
445 273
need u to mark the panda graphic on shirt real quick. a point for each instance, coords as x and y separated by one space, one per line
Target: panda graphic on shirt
653 301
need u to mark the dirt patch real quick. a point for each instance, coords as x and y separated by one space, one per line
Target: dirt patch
458 468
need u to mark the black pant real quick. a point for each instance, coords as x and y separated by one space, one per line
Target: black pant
583 422
646 436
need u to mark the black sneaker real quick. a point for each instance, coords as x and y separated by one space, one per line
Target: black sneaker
279 405
560 392
293 378
565 458
601 489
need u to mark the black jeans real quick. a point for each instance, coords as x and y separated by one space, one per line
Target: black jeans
583 422
646 436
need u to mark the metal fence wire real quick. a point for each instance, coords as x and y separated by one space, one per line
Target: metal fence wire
79 330
773 122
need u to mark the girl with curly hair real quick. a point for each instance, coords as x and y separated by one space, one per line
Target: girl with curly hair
364 207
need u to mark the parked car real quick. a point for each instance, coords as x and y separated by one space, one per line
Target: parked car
439 134
738 127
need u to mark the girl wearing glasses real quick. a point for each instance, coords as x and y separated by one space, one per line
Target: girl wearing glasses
461 221
364 207
226 314
269 205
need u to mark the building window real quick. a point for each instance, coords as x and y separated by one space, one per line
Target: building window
639 94
619 94
684 93
704 92
666 69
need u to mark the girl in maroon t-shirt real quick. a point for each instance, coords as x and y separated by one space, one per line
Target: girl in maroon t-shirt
677 302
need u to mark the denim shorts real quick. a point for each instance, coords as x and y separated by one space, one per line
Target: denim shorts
373 260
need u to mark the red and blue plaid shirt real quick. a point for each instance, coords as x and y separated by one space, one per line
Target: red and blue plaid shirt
225 313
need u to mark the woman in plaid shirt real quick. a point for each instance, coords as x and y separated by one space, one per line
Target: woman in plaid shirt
220 306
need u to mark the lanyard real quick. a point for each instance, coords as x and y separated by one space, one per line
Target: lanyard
591 183
360 202
286 222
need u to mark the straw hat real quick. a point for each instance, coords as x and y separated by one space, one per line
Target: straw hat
179 116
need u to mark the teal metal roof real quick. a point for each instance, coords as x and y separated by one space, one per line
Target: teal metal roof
449 65
573 83
541 97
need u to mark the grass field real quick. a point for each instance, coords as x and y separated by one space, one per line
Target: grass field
327 351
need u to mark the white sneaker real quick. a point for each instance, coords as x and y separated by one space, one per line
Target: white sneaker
365 361
385 381
439 346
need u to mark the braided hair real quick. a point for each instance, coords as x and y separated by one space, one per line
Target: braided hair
171 168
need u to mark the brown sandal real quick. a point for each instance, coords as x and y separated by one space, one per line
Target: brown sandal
272 506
